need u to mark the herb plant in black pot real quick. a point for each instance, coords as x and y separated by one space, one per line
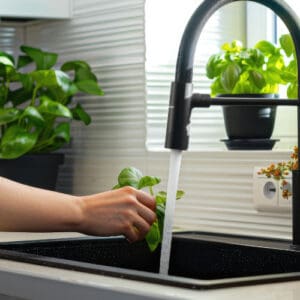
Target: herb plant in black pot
252 72
36 108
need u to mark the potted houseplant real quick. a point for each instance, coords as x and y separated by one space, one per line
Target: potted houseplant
252 72
36 108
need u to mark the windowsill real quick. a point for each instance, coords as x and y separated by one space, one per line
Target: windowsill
209 155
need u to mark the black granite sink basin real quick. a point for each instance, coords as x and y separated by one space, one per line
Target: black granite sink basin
198 260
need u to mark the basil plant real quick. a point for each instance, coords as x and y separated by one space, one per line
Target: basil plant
257 70
36 101
133 177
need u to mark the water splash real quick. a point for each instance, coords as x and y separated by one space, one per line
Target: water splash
174 169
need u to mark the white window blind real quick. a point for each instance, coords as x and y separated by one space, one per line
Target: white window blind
165 22
281 28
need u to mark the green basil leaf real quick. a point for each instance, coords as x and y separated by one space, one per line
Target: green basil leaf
51 107
292 91
80 114
16 141
153 237
287 44
8 115
214 66
89 87
117 186
217 88
230 77
130 177
234 47
43 60
147 181
161 197
160 213
266 47
179 194
257 78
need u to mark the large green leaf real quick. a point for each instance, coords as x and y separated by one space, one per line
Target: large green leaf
10 58
44 78
26 81
82 70
257 78
266 47
3 95
89 87
44 60
16 141
287 44
153 236
230 76
148 181
8 115
214 66
6 61
51 107
292 91
84 74
65 83
19 96
75 65
62 132
32 115
24 60
80 114
130 177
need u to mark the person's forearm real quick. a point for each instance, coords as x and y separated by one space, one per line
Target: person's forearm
25 208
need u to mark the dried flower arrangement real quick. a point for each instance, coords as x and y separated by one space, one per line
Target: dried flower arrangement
280 170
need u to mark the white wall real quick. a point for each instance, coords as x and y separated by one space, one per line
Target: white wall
110 36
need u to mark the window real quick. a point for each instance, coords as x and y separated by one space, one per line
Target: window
165 22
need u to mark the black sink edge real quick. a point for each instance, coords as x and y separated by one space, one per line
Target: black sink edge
169 280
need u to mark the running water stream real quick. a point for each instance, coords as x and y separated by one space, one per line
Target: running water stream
174 169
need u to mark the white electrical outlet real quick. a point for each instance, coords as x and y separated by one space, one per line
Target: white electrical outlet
267 193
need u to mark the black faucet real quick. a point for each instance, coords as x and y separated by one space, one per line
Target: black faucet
182 99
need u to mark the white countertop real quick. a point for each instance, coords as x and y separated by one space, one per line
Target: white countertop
14 281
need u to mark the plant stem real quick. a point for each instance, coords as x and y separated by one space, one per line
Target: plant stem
151 191
34 95
38 147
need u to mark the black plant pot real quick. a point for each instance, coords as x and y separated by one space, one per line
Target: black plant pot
249 127
39 170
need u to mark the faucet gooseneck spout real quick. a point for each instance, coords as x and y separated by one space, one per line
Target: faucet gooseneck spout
182 99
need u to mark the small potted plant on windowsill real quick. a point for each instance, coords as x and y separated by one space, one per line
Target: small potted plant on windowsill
36 108
252 72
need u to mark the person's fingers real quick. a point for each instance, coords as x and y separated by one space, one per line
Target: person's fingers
146 199
147 214
131 233
142 227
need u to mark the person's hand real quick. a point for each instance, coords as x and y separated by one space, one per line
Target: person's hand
124 211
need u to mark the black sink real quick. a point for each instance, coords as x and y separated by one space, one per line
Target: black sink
198 260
